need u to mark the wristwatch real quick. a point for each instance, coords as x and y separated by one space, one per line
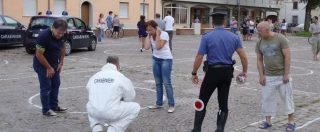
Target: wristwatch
193 73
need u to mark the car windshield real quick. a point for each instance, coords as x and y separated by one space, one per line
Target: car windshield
42 22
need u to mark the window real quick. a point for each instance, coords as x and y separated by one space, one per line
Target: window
179 13
146 10
29 7
59 7
295 20
295 5
10 21
124 10
71 24
79 24
1 21
1 7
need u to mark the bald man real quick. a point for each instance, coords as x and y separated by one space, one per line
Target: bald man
273 62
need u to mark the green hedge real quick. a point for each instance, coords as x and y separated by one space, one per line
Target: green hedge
303 34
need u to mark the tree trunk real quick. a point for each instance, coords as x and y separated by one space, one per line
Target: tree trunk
307 17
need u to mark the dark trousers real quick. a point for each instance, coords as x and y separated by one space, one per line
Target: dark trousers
170 33
49 90
217 78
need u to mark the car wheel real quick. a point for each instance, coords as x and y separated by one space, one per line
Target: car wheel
93 45
30 51
68 48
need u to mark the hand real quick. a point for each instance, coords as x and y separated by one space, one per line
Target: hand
59 67
158 32
242 74
262 80
50 72
285 79
195 79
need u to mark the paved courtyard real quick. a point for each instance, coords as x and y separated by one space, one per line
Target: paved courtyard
20 105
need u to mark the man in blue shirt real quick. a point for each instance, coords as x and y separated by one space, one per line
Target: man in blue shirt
109 23
47 62
219 45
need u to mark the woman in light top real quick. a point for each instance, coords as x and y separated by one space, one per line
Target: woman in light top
162 64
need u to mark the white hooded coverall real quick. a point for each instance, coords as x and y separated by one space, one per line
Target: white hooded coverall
110 99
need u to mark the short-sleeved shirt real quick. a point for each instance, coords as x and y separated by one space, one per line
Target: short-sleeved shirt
142 27
169 21
116 21
271 51
219 45
109 21
164 52
160 23
314 28
51 47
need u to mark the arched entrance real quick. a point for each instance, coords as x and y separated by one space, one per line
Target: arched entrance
202 13
86 12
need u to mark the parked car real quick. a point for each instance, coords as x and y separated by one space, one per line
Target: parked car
79 35
11 31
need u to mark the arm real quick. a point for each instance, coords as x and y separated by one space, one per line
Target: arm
196 65
128 90
287 59
244 60
160 43
43 61
260 69
62 55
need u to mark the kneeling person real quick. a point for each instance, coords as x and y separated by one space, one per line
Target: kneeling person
110 99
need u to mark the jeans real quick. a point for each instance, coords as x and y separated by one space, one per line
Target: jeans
162 74
49 89
100 34
170 33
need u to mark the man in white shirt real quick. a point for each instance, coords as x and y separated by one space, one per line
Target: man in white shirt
111 97
315 30
169 23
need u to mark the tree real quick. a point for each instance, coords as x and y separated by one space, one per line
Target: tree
311 5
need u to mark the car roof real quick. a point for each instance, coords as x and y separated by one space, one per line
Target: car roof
53 16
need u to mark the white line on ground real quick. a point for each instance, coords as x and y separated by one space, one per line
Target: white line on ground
30 100
308 123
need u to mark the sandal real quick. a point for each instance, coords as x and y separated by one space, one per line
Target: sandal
291 127
265 125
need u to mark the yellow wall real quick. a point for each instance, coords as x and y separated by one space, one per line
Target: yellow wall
74 9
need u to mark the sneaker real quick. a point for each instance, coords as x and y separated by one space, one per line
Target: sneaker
155 107
171 109
141 50
97 128
50 113
59 109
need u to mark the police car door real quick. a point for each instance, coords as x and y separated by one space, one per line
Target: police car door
73 33
14 31
83 35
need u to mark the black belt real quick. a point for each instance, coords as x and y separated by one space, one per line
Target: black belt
219 66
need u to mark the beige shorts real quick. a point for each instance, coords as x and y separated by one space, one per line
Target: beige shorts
274 85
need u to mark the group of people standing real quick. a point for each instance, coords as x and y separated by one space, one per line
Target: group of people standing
111 22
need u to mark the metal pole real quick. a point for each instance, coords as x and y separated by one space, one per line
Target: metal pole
144 1
155 6
48 5
238 2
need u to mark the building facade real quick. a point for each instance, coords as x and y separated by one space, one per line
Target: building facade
129 11
186 11
293 11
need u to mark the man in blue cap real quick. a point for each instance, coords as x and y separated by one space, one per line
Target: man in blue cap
219 46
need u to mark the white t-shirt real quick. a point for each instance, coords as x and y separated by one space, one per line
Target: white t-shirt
283 26
251 25
169 21
164 52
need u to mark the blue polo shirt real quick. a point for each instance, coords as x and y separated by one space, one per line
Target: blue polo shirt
51 46
219 46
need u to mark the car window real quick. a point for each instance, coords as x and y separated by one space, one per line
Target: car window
1 21
42 21
79 24
71 24
10 21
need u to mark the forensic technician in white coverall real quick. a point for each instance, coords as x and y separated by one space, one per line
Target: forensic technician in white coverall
110 99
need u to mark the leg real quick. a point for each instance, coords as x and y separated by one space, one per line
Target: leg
223 94
170 33
143 39
207 88
45 89
55 81
314 50
158 79
166 68
100 34
318 49
131 111
286 95
269 103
